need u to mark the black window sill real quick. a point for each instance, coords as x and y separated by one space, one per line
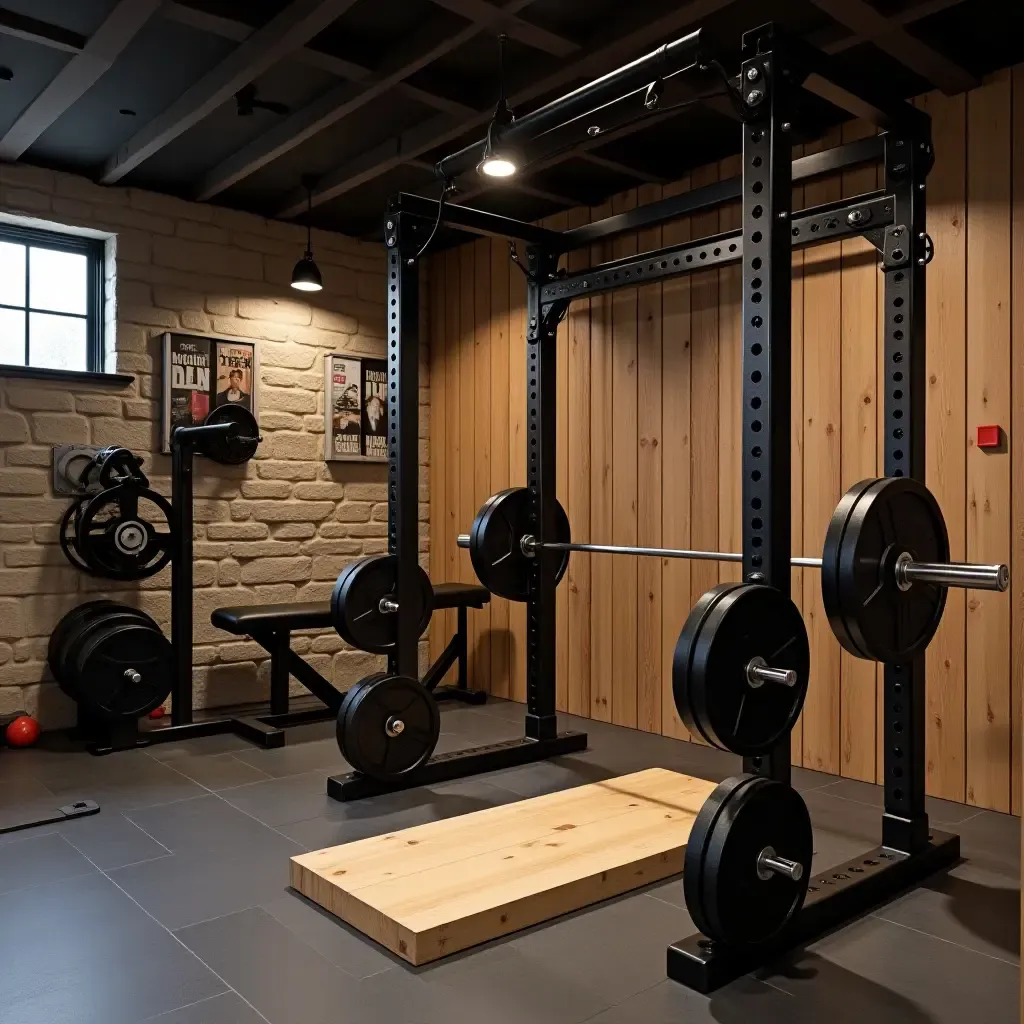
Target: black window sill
72 376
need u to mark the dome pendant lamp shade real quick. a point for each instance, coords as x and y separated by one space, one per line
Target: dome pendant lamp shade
306 275
499 160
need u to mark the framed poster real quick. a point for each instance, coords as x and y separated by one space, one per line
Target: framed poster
355 409
200 373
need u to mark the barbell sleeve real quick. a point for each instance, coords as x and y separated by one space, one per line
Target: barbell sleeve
963 575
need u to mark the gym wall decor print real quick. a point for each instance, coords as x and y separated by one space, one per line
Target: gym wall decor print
355 409
201 373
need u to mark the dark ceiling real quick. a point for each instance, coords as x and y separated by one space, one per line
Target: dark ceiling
366 95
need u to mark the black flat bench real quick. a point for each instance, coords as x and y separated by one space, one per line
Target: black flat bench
271 626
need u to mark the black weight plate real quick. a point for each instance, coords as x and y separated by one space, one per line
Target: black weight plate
730 626
117 539
72 629
734 903
346 703
232 451
112 650
66 537
363 734
875 522
355 603
494 543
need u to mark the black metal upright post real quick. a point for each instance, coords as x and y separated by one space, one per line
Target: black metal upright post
908 159
767 298
541 722
182 458
403 429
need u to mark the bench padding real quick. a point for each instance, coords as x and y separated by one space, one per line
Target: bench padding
245 620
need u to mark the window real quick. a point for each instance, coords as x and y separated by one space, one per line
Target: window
51 299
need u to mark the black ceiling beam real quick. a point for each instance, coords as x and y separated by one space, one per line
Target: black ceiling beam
56 37
412 55
875 27
617 167
105 45
837 39
293 27
487 15
620 43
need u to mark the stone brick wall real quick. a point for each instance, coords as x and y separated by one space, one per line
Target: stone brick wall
276 530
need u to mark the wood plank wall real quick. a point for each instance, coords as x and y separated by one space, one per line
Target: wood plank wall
648 421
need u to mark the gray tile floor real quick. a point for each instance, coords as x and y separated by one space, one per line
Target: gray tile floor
172 904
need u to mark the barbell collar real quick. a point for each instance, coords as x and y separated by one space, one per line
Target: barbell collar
388 605
133 676
769 863
760 672
962 575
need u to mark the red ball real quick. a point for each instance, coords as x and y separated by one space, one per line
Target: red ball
23 731
157 713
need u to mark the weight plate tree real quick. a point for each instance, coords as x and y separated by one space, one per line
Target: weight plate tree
113 660
115 538
231 449
879 526
501 561
741 667
748 861
388 726
364 607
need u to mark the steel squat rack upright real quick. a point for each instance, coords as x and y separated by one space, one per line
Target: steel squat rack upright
774 68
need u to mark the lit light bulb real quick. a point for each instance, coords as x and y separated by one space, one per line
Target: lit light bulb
498 167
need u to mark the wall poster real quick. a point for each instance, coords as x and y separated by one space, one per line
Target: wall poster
355 409
200 373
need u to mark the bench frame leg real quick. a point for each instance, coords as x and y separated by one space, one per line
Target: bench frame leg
456 651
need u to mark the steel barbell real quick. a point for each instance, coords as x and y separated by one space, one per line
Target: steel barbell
965 575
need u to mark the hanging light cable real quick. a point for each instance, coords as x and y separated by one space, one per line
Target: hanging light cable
306 275
499 160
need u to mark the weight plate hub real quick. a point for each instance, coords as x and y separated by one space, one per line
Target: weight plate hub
356 598
388 726
875 522
495 546
730 626
114 538
232 451
729 895
123 668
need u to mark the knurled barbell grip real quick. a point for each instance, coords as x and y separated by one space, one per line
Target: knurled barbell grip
962 575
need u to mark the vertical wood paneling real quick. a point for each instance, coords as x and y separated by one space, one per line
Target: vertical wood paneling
663 364
797 439
499 681
623 416
988 473
858 452
704 404
517 455
479 624
439 539
946 454
601 436
676 464
577 580
649 484
822 408
730 392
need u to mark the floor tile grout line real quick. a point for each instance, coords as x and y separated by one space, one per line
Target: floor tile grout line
938 823
53 881
147 835
188 1006
191 952
940 938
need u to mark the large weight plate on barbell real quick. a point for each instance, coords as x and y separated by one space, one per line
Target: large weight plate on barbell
355 603
368 726
106 661
875 522
729 626
232 451
727 898
494 543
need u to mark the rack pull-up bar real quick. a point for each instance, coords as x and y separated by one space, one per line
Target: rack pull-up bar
667 60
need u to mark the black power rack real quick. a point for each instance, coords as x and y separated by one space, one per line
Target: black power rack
774 68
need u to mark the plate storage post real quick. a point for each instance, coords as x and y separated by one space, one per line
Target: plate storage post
907 162
766 315
403 429
541 326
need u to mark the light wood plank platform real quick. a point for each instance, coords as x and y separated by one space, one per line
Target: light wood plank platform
431 890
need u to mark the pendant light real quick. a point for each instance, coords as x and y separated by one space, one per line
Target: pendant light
499 160
306 275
